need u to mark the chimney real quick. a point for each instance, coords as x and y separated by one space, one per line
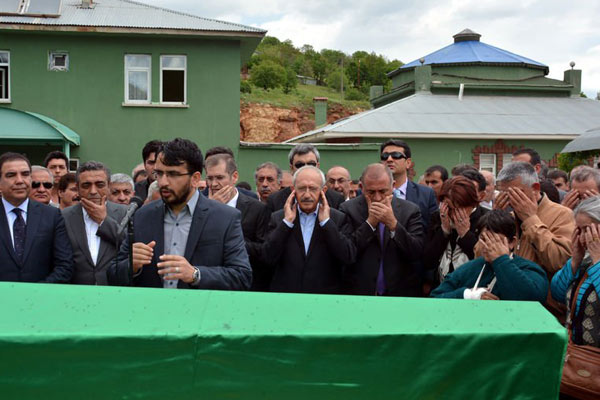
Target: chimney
320 111
573 76
87 4
423 78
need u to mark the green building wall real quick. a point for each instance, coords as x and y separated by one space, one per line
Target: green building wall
88 98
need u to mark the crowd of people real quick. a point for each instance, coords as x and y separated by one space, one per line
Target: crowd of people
527 234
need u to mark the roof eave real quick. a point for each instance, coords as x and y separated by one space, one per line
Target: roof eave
403 68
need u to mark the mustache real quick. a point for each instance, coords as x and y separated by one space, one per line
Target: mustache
267 190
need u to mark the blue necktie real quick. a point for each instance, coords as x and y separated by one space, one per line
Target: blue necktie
19 233
380 278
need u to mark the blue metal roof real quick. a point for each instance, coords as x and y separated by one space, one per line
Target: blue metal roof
472 51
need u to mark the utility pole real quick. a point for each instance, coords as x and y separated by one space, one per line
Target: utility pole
342 79
358 73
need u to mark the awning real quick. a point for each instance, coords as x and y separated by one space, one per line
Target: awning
589 140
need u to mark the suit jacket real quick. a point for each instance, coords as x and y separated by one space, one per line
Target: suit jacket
400 254
424 197
84 270
215 245
248 193
277 200
47 255
255 221
141 189
321 270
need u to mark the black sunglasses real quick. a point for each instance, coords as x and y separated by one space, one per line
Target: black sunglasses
301 164
36 184
396 155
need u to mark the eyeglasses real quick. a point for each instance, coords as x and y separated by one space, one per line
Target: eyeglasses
36 184
396 155
169 174
301 164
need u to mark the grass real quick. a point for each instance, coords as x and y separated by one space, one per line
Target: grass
300 97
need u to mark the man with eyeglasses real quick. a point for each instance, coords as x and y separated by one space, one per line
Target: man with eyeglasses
42 182
338 179
184 241
34 241
300 156
395 154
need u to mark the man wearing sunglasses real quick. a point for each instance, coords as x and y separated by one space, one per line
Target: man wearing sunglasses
42 182
395 154
300 156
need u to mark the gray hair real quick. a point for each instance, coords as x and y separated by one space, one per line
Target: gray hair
302 149
93 166
271 165
152 189
589 207
518 169
309 168
35 168
383 170
216 159
584 173
122 178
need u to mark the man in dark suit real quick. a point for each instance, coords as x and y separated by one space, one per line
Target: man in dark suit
92 225
221 177
149 153
388 235
213 151
184 240
36 245
396 155
309 244
299 156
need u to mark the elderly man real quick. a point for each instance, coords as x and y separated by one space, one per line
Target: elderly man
35 243
221 177
585 182
388 235
42 182
545 228
287 179
396 155
58 163
338 179
92 225
435 176
67 191
268 180
121 189
533 157
309 244
299 156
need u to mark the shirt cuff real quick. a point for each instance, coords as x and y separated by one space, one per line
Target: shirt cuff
324 222
367 221
289 224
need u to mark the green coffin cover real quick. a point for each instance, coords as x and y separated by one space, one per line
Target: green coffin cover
87 342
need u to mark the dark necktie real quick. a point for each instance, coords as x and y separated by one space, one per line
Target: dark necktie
380 278
19 233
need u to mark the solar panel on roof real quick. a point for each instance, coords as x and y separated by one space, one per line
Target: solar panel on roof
44 7
9 6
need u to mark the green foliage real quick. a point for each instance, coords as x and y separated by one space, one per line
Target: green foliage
355 95
290 82
334 80
245 87
566 161
268 75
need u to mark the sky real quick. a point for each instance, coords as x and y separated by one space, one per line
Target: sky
551 32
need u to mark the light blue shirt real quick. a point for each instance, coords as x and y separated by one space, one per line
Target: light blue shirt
11 217
307 225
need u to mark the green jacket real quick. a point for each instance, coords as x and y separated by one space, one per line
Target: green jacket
516 279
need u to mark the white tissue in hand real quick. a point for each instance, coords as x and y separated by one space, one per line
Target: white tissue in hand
473 294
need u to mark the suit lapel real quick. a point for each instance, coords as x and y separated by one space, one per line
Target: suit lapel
242 202
159 224
198 222
297 232
5 233
103 245
411 193
80 233
33 221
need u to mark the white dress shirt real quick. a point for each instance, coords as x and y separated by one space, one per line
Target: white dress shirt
233 201
93 240
11 217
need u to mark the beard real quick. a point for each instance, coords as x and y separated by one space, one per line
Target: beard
177 198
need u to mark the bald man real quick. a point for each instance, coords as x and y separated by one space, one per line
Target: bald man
388 235
338 179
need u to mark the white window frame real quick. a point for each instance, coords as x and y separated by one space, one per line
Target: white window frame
6 78
493 163
506 159
51 58
174 69
134 69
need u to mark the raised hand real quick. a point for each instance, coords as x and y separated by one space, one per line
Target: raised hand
571 199
142 254
445 218
324 209
289 208
524 207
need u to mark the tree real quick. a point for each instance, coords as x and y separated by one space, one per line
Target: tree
334 79
290 82
267 75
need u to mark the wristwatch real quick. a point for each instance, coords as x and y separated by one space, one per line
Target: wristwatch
196 276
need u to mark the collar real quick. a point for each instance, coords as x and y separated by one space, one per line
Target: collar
9 207
312 214
234 199
402 188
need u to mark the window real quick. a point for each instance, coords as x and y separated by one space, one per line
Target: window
173 79
487 162
137 78
506 158
4 76
58 61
